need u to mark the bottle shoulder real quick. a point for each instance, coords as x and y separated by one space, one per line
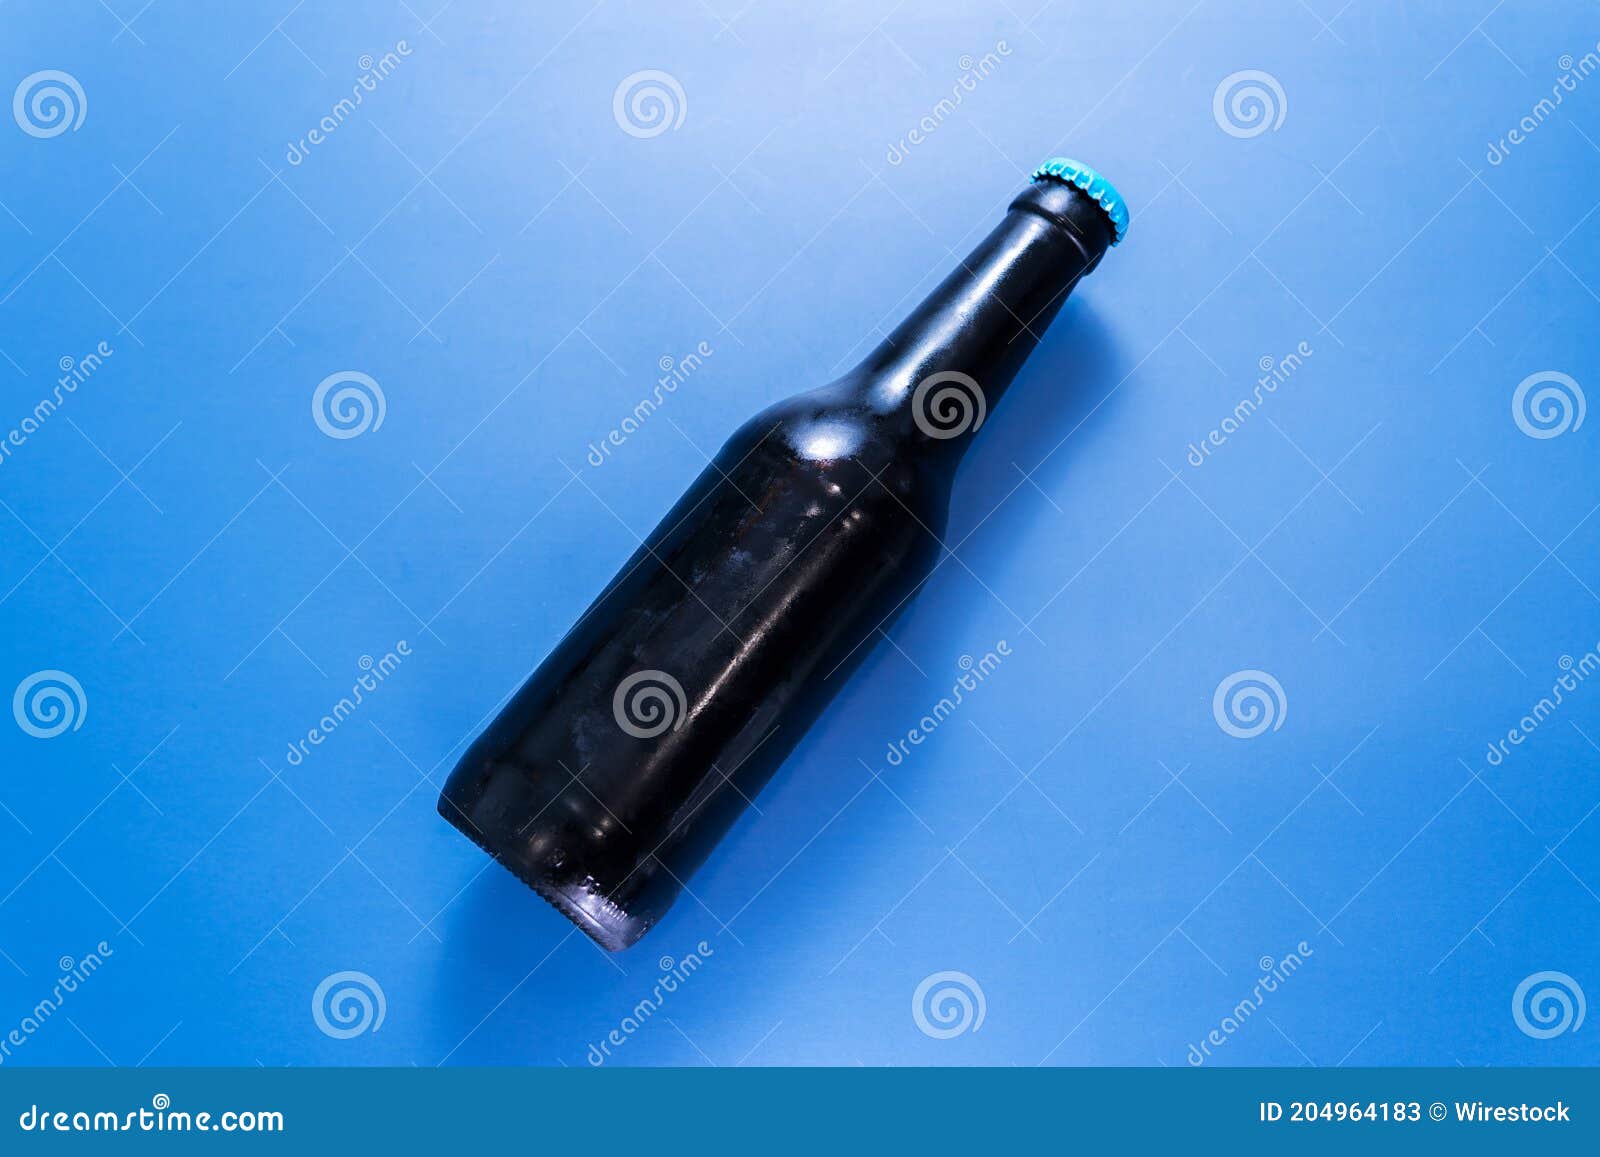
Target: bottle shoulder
836 434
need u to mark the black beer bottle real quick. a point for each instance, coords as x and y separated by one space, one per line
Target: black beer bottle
625 757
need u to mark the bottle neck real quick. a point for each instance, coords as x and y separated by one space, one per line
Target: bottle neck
950 361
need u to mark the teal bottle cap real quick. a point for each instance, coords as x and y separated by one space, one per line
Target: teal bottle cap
1105 195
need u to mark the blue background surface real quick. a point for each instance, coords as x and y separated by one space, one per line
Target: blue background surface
483 239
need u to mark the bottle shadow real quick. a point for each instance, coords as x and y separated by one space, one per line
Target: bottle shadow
1062 402
1062 399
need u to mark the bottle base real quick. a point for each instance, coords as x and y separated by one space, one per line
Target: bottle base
597 917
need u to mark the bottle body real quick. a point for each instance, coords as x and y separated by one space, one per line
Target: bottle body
616 768
687 682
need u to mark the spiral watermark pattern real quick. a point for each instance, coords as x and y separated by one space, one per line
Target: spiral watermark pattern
348 404
347 1004
948 404
48 103
649 102
1247 703
1548 1004
1548 404
1249 102
48 703
649 703
948 1004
